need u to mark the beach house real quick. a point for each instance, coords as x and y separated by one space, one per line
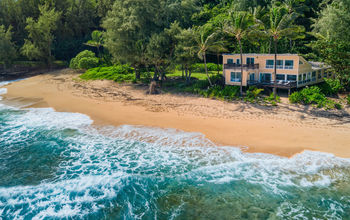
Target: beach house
293 71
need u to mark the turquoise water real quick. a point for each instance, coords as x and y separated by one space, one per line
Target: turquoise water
58 166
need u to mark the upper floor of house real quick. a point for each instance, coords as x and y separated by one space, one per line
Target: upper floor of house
286 63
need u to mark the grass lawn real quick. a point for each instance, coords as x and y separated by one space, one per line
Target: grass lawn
200 76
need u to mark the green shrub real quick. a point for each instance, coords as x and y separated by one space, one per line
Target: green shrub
331 86
313 95
118 73
253 94
271 99
88 63
348 99
200 68
84 60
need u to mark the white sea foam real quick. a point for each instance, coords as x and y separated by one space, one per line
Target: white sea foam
100 163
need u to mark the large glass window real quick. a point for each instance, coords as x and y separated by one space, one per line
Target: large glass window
313 77
288 64
319 74
292 77
300 78
250 60
252 76
265 77
229 61
235 77
269 64
238 61
279 64
281 77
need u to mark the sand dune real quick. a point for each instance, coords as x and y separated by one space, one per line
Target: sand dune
284 130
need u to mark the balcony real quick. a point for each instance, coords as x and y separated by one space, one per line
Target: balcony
238 66
279 83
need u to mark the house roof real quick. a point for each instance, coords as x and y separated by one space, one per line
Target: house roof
318 65
262 54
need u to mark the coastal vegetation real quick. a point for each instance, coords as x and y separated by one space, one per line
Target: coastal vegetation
179 43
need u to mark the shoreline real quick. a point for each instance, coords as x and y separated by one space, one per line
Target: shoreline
285 130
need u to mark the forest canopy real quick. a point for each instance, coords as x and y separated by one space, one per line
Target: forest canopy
160 34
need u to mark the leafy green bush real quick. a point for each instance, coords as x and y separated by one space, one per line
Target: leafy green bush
313 95
348 99
271 99
118 73
84 60
200 68
331 86
88 63
253 94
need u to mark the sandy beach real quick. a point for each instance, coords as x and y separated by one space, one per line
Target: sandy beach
284 130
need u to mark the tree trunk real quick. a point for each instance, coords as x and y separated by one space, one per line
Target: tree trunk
206 69
240 47
275 72
182 69
137 73
218 59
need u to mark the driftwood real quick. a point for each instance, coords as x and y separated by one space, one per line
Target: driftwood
153 88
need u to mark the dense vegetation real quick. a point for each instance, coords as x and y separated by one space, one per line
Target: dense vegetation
164 37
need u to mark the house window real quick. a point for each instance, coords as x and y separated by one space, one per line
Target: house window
229 61
279 64
319 74
325 74
300 78
250 61
313 77
269 64
288 64
238 61
280 77
304 78
308 77
330 74
235 77
291 77
252 77
265 77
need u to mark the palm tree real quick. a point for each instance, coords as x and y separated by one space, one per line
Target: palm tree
281 25
239 25
205 40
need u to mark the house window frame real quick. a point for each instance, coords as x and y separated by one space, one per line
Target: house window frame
230 61
289 67
292 80
270 66
284 77
280 66
235 78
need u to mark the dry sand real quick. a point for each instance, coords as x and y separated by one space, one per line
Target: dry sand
284 130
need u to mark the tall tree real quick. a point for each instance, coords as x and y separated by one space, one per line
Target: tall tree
205 40
39 44
240 24
7 49
281 25
184 54
332 32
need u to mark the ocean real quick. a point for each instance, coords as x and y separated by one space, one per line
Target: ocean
56 165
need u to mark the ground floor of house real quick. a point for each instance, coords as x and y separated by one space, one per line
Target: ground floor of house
288 80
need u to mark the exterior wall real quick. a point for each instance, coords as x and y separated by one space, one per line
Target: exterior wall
300 67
